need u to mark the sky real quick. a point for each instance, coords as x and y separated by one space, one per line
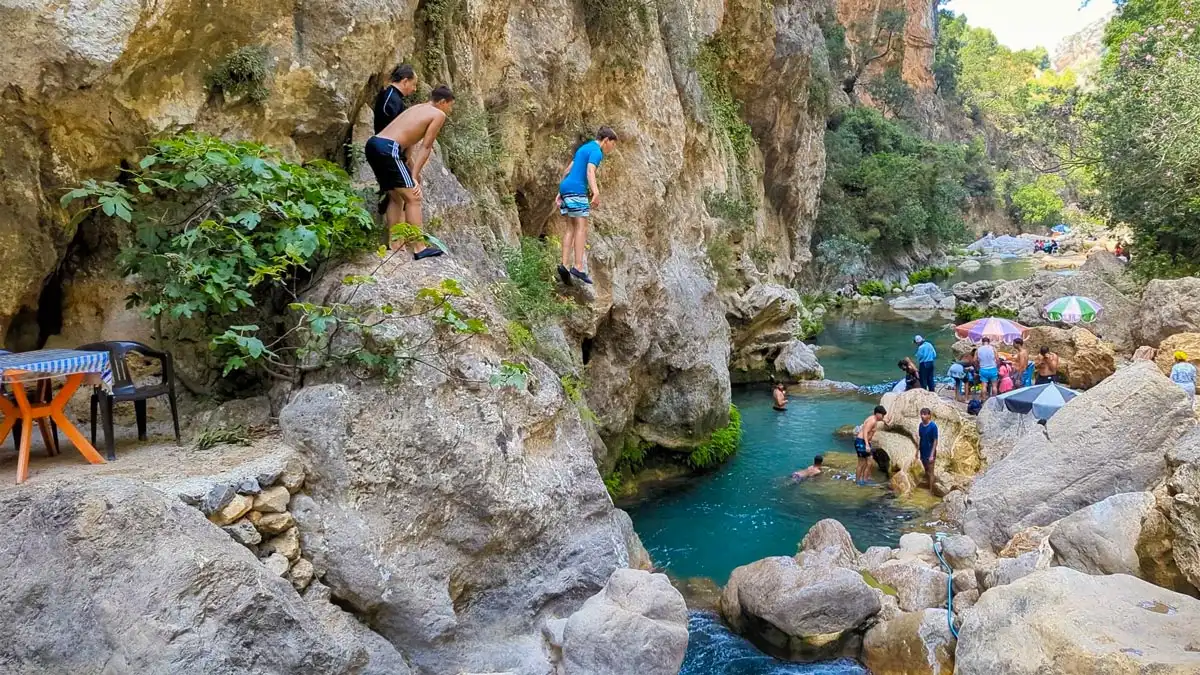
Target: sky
1021 24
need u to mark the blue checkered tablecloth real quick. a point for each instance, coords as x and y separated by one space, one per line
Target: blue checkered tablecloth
49 362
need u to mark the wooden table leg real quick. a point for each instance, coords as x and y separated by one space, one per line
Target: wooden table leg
26 431
12 415
56 412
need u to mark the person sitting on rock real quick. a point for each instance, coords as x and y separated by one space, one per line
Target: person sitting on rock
862 444
1047 366
927 435
578 194
780 396
1184 375
811 471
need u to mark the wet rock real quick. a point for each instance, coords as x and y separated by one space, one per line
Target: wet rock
1123 427
804 612
914 643
1072 622
830 539
918 586
797 361
234 509
243 533
108 552
636 624
1168 306
272 500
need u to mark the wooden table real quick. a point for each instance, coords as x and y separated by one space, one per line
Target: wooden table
18 370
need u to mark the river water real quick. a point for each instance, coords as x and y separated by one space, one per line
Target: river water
749 509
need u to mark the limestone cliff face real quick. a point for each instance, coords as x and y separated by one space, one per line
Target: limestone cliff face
911 51
89 82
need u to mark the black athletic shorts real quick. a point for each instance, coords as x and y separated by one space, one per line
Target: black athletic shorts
860 448
386 158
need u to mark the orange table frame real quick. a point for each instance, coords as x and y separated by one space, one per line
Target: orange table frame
26 414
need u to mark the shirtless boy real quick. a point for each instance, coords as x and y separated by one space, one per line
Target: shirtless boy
399 175
811 471
1047 366
862 444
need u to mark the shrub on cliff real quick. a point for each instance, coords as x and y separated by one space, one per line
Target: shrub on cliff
721 445
226 237
529 294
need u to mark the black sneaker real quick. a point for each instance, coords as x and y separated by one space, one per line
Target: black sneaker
564 275
428 252
582 276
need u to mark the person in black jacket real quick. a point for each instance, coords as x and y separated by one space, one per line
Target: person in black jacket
389 103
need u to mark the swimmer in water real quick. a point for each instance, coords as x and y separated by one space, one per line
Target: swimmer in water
780 397
811 471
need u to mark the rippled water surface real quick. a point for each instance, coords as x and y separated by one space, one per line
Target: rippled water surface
751 509
714 650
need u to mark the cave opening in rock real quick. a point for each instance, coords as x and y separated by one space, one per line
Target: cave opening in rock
31 327
586 347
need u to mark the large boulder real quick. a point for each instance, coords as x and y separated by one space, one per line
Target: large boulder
760 322
913 643
1120 535
974 292
796 362
1000 429
436 503
830 542
114 576
922 301
1063 621
1084 359
918 585
958 444
1027 297
1182 506
802 612
1110 439
1105 265
636 624
1188 343
1168 306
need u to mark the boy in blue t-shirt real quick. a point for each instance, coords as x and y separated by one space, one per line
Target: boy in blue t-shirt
927 444
577 193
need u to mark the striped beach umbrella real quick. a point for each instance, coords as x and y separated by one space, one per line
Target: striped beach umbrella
996 329
1043 400
1073 309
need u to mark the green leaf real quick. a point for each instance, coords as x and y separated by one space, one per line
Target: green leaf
71 196
148 161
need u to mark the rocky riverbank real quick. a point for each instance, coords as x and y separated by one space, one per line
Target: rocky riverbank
1093 515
